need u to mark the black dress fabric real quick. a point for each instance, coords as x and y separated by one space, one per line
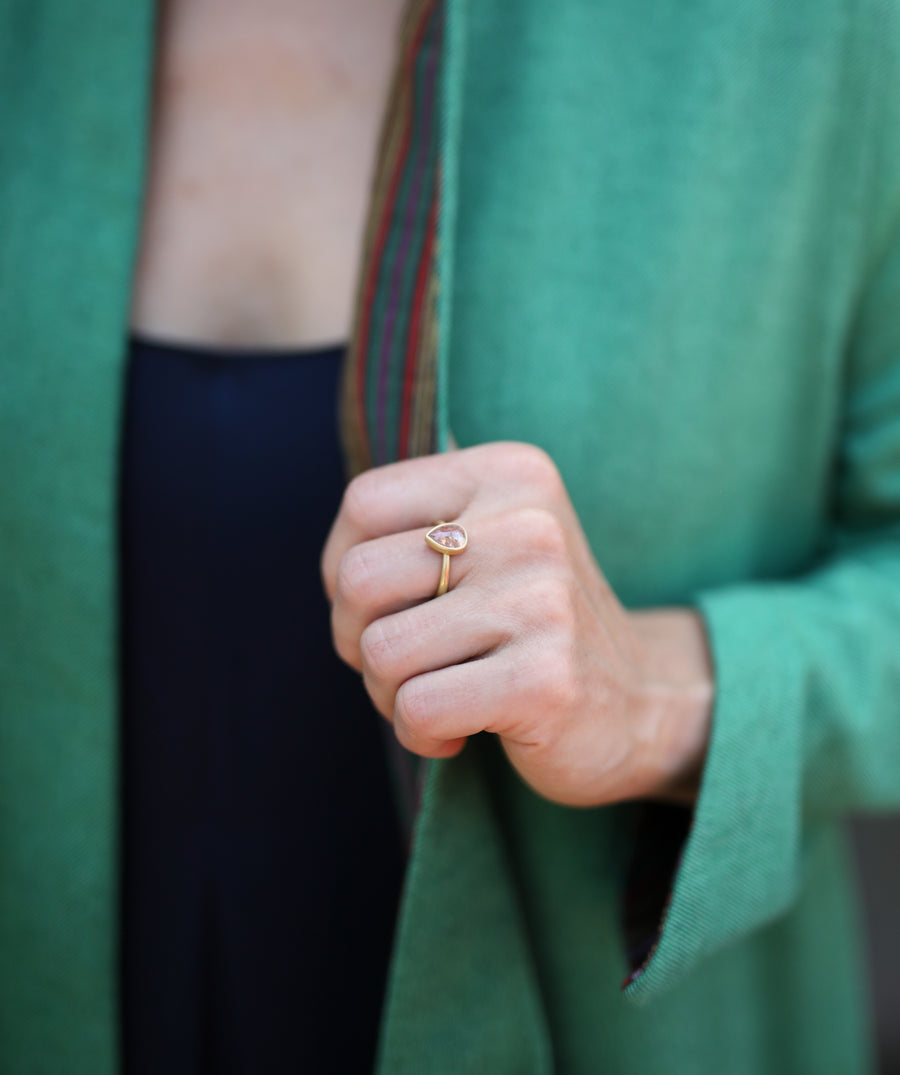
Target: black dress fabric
262 857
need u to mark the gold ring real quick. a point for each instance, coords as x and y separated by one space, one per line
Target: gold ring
449 539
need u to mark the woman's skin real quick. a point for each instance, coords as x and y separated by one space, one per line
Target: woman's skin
265 125
266 117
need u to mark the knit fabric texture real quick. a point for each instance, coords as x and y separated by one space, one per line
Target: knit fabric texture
669 253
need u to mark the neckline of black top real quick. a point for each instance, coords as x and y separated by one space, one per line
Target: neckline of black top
215 352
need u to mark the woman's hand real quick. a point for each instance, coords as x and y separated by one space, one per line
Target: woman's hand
592 704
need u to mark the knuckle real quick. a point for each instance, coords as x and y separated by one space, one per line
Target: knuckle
412 709
360 497
544 532
537 467
382 699
553 602
356 578
379 651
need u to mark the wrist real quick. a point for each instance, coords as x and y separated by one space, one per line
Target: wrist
673 701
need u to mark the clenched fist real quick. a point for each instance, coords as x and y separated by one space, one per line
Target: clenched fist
593 704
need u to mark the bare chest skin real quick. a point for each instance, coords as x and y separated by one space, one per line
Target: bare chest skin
266 115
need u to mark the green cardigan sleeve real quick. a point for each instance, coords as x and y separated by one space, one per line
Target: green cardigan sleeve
806 722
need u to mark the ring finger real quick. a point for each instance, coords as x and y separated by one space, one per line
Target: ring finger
385 576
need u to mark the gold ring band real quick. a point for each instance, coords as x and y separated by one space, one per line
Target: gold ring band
444 584
449 539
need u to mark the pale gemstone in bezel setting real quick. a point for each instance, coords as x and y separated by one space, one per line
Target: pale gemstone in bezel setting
447 537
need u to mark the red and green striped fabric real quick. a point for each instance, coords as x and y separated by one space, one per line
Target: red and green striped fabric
388 398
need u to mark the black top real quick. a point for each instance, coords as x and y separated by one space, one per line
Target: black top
262 856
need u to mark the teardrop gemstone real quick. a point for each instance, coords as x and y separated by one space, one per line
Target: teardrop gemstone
450 538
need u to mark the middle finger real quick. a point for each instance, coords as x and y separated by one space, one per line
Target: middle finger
456 628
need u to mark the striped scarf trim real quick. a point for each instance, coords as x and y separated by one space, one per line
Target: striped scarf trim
388 396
